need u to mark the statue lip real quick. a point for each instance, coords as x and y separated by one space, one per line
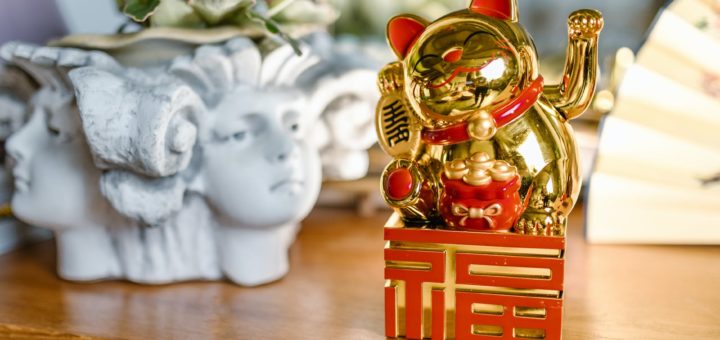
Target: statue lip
21 182
287 184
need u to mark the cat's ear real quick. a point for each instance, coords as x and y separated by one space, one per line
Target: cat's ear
501 9
403 31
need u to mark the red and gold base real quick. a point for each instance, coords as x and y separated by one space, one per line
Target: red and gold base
443 284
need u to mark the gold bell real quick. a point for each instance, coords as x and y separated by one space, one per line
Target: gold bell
482 127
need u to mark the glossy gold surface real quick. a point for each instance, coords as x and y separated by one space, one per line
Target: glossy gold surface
497 63
397 128
498 59
575 94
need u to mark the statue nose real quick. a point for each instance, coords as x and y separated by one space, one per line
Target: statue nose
281 149
453 55
19 145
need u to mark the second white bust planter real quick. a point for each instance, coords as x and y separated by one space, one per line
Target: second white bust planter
198 167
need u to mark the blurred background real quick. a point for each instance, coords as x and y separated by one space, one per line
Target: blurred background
626 22
627 28
651 164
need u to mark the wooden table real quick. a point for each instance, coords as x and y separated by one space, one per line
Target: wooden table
334 291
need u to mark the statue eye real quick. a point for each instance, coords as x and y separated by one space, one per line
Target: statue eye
58 135
238 131
291 121
53 131
240 135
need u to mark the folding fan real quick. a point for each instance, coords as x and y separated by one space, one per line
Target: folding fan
657 172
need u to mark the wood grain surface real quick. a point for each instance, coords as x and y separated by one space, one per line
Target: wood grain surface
334 291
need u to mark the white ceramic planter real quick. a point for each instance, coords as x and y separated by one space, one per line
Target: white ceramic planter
196 166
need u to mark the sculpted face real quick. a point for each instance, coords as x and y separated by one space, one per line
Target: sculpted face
56 183
258 169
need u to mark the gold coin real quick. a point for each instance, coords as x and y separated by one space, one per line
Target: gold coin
480 160
456 165
455 170
478 178
503 171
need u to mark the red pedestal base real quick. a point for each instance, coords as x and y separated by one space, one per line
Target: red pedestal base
444 284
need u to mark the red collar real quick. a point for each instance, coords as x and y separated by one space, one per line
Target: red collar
503 116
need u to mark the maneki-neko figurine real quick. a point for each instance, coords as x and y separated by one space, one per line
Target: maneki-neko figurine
483 157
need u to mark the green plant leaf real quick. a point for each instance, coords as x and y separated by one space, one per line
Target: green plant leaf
274 28
304 11
140 10
214 11
176 13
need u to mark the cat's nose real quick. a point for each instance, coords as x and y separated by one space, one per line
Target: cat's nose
453 55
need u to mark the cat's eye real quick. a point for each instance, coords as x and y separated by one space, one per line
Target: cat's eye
295 127
480 43
427 62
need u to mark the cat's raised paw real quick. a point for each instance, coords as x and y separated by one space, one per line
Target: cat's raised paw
585 23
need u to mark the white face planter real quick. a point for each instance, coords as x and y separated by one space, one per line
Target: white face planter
260 177
197 169
56 182
57 185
